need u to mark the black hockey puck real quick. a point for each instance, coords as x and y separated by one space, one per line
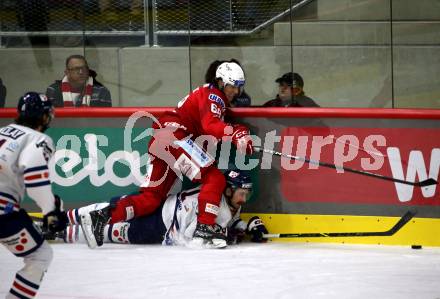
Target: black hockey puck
416 246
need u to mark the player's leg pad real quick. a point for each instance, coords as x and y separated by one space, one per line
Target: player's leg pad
28 279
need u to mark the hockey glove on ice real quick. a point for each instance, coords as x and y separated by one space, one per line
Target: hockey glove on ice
56 220
236 232
256 229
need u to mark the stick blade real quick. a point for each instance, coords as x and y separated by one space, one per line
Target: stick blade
428 182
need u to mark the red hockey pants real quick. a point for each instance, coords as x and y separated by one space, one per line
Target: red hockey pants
170 152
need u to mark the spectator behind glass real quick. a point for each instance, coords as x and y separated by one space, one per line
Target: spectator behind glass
2 94
78 87
290 93
241 100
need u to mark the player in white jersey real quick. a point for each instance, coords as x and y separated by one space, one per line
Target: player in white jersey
175 221
24 156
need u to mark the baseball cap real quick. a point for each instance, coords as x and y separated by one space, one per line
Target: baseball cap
292 79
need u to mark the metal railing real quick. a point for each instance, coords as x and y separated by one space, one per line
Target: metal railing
148 18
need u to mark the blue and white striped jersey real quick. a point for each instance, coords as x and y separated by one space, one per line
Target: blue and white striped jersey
24 159
179 214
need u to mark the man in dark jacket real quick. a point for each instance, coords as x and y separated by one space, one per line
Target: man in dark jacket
291 93
78 86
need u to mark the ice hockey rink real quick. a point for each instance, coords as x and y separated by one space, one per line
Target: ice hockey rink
271 270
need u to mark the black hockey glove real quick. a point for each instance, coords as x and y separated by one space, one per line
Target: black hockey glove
256 229
236 232
56 220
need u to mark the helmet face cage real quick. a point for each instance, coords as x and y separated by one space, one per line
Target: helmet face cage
231 74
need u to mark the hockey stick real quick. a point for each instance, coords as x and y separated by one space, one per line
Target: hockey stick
404 220
424 183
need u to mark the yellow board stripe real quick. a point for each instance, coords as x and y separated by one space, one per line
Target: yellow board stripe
36 215
418 231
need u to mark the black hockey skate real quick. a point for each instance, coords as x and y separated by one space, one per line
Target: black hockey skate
209 236
93 224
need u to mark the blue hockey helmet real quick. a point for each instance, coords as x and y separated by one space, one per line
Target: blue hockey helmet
31 108
33 105
239 179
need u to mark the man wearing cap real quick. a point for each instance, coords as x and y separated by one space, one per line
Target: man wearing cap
291 93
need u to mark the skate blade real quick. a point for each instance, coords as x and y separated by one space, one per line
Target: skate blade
86 227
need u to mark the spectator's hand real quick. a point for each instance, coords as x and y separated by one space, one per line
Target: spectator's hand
256 229
55 220
242 139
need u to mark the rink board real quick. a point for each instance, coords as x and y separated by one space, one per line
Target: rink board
299 200
418 231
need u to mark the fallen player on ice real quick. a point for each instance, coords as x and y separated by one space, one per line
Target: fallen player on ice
174 222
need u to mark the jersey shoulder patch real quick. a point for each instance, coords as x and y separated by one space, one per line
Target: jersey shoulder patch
46 145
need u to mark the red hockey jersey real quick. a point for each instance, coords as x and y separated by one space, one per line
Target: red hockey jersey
201 112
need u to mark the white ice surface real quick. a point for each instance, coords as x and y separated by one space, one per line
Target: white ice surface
272 270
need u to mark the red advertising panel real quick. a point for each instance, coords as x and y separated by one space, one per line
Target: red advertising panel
403 153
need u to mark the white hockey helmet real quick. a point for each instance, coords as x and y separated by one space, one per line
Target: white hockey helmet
231 73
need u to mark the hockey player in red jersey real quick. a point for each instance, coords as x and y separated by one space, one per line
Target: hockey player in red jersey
174 151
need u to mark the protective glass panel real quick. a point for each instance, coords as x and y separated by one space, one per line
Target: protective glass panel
152 52
416 67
